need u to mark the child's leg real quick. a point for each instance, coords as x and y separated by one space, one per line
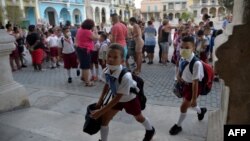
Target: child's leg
183 109
144 121
69 73
106 118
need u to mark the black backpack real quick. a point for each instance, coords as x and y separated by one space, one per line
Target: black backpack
140 85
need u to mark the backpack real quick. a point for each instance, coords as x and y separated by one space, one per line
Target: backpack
207 80
140 85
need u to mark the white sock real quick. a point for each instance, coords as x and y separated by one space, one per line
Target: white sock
96 72
104 133
92 72
54 64
181 119
147 124
197 109
69 72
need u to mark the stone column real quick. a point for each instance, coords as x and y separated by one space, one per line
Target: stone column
232 64
12 94
22 8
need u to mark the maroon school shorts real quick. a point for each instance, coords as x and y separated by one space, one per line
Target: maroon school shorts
132 107
53 51
188 92
70 60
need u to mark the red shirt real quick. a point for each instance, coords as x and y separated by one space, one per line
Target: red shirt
119 32
84 40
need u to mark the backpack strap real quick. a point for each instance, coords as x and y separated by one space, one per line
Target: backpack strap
191 65
62 41
123 72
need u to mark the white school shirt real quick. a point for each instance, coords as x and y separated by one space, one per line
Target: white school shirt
125 85
198 72
52 41
103 50
68 45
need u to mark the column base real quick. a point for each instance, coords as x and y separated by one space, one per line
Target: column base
13 96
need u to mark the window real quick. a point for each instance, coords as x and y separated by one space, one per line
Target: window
164 7
183 5
195 13
170 5
148 8
204 1
155 8
213 1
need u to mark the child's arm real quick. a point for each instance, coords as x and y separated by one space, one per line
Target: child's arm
96 114
101 99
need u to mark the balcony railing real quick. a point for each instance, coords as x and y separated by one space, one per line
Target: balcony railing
66 1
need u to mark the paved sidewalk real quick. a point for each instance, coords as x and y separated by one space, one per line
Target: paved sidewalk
59 116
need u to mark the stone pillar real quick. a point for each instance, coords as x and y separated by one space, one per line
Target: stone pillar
38 16
232 64
12 94
22 8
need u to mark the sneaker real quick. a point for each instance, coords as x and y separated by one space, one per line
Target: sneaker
175 130
69 80
149 134
216 79
78 72
144 61
201 115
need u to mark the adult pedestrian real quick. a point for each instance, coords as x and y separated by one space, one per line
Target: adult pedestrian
85 37
139 43
150 41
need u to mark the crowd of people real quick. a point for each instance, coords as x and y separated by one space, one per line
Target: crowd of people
88 46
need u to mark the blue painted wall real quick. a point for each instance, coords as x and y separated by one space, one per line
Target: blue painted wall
61 11
30 15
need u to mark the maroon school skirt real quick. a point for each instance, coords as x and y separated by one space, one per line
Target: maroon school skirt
54 51
188 91
37 56
70 60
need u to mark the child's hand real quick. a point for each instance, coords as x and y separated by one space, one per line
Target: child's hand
96 114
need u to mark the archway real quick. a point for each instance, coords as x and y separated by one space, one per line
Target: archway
103 15
97 15
77 16
64 15
204 11
171 16
165 16
121 15
51 15
177 15
221 11
212 12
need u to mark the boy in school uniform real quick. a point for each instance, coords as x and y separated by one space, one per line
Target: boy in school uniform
103 50
68 52
191 84
122 98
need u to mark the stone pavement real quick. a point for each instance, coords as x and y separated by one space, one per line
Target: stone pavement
58 108
158 79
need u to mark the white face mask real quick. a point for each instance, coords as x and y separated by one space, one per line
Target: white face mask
113 68
68 34
186 53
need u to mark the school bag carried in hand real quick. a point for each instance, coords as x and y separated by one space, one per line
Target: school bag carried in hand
207 80
140 85
92 126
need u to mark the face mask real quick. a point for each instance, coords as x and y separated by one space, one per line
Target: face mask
186 53
112 67
68 34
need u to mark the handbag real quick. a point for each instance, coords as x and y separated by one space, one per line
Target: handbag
92 126
178 89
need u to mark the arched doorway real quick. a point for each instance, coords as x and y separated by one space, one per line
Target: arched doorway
103 15
171 16
177 15
165 16
30 15
204 11
64 15
120 14
51 15
221 11
212 12
97 15
77 16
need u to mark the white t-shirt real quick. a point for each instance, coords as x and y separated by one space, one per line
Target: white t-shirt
125 85
103 50
201 43
68 45
52 41
198 72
